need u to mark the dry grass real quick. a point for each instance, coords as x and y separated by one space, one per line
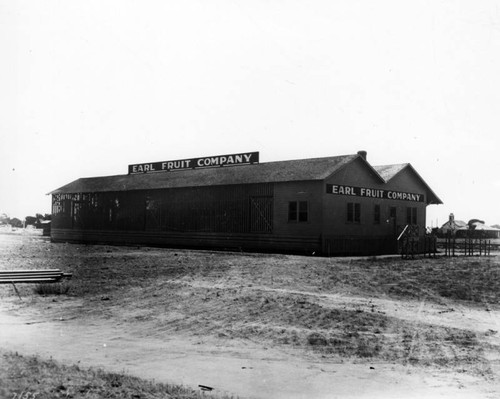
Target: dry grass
277 299
46 379
301 322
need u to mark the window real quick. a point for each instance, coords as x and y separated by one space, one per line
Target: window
376 214
292 211
298 211
411 215
303 211
353 212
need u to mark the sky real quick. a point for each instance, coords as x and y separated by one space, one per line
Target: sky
89 87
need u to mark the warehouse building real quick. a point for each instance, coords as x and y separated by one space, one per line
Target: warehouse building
338 205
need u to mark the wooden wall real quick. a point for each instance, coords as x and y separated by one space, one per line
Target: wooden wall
243 217
238 217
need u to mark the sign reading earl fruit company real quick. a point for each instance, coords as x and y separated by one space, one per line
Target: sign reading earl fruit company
373 193
245 158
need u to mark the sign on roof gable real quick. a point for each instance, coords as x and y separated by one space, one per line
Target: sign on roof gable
338 189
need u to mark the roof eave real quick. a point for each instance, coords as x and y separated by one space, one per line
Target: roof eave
436 200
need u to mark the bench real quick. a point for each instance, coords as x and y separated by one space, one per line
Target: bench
32 276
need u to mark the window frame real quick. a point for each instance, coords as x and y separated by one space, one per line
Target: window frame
376 214
353 215
298 211
412 215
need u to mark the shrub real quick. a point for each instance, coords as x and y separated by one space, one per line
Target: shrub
317 339
52 289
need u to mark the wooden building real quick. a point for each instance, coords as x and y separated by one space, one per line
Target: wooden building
338 205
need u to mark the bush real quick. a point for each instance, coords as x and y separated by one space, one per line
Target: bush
52 289
317 339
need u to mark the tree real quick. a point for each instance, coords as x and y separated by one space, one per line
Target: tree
4 218
15 222
30 220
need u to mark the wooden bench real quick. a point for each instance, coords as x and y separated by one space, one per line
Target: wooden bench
32 276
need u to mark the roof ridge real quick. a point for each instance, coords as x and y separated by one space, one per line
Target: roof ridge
309 159
391 164
265 172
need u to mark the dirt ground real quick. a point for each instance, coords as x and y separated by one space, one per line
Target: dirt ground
262 326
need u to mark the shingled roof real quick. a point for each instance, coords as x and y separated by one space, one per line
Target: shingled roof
269 172
388 172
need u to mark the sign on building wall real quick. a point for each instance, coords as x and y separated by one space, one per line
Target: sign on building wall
373 193
217 161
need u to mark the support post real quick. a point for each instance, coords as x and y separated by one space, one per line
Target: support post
17 292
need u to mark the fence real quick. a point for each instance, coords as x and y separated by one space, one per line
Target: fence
411 243
466 246
409 246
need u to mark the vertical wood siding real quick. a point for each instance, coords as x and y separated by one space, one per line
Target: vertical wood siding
220 209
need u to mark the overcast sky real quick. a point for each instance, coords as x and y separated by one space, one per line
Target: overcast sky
89 87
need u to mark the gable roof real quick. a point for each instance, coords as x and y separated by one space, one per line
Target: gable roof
270 172
454 225
388 172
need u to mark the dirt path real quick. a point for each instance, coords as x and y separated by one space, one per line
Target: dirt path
238 368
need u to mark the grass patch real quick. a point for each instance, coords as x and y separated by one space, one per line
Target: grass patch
46 379
296 322
462 278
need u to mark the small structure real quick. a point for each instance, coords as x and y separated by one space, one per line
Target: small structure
478 229
475 228
45 224
456 228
